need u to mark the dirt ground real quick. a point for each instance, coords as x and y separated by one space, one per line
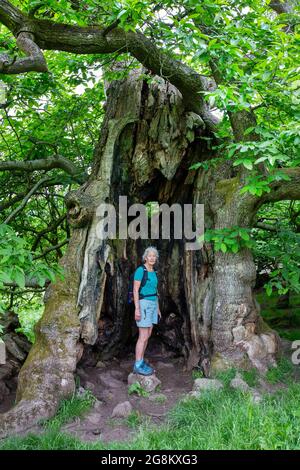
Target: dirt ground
109 385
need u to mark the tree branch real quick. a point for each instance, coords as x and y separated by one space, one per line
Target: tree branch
49 35
56 161
55 247
95 40
25 200
284 190
12 201
110 27
281 6
34 61
28 283
18 197
268 227
20 25
50 228
11 16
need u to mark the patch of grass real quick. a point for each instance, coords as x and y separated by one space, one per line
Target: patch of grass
226 376
69 410
51 437
160 398
291 333
250 376
221 419
281 373
197 374
134 419
137 388
229 420
48 441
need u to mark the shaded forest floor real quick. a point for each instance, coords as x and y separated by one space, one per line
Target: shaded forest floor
109 385
216 419
171 419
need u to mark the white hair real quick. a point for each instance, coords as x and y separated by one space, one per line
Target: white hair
147 251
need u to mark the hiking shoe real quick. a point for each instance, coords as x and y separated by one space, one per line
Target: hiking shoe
142 370
146 366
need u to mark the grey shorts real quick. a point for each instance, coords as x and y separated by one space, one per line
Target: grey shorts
149 313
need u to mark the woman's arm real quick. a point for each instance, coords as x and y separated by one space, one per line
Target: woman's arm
136 286
158 309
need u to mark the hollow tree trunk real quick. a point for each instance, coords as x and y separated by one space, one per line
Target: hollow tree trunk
146 146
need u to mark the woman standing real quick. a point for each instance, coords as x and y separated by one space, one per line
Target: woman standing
146 308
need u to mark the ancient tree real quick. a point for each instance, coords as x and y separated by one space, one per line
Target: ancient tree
157 125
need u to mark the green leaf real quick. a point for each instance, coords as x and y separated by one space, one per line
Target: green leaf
249 130
4 277
19 277
269 290
195 166
223 247
244 235
231 152
248 164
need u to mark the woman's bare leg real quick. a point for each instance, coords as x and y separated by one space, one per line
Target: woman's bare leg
141 343
149 334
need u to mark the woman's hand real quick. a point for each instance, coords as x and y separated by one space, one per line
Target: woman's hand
159 314
137 314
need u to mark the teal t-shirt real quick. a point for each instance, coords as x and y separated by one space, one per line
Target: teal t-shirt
151 284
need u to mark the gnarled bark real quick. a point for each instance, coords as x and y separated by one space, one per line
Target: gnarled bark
148 142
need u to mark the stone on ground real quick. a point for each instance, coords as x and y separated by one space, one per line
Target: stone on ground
122 410
100 365
90 386
239 383
207 384
107 380
148 382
